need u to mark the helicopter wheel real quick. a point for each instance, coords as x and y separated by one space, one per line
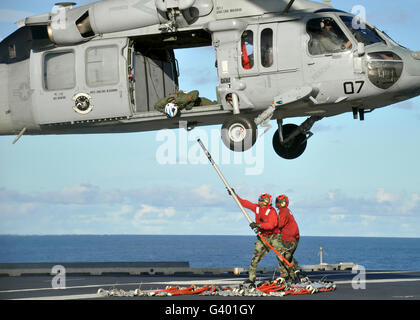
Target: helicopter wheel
294 148
239 133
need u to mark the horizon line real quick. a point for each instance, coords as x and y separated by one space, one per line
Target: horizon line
193 235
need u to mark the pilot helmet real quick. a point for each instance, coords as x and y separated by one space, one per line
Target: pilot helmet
282 198
265 198
326 22
171 110
247 36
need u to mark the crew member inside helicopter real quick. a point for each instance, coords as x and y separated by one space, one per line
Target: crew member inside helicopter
247 45
326 37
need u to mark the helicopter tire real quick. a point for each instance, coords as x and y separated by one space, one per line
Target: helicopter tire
294 148
239 133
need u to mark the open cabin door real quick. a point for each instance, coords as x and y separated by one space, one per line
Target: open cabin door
156 76
81 83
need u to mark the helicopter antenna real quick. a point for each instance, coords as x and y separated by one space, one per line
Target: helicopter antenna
286 10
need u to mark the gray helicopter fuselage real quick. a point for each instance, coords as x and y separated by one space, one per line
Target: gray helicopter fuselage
109 82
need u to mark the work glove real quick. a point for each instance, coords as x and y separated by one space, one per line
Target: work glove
254 225
230 193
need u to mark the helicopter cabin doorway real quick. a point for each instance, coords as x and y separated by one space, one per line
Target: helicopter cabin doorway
154 70
155 75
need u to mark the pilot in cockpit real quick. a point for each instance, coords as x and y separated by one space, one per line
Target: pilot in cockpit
332 38
326 37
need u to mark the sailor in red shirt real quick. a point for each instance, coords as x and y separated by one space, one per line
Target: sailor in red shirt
247 59
289 231
266 223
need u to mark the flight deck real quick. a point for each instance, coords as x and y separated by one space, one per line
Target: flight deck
83 282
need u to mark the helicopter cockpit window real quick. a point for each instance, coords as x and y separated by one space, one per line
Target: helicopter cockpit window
267 47
59 70
326 37
247 47
366 35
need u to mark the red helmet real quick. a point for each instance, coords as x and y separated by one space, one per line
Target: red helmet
282 198
265 197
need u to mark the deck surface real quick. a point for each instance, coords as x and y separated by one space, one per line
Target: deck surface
379 285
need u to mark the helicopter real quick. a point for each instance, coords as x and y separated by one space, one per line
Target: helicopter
101 68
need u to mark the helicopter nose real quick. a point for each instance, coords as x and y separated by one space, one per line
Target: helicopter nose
413 71
416 55
414 66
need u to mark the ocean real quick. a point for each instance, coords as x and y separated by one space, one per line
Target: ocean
208 251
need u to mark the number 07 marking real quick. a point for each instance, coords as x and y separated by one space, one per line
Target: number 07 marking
349 87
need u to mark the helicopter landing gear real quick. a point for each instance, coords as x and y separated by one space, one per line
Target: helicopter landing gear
239 133
290 140
294 147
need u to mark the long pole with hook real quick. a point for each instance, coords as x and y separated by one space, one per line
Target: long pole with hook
207 153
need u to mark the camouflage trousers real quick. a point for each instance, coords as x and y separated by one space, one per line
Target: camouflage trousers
184 100
287 250
260 251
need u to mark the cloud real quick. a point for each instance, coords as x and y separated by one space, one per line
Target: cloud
233 217
164 201
382 196
121 213
193 210
186 198
150 215
382 203
91 209
13 210
12 196
338 217
155 211
83 193
337 210
411 204
366 220
206 193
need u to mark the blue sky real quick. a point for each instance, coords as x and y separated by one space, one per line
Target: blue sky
355 178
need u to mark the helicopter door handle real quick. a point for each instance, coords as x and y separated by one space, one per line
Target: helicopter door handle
311 63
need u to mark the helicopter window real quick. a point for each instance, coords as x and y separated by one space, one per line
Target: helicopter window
384 68
367 35
59 70
247 47
102 66
267 48
326 37
12 51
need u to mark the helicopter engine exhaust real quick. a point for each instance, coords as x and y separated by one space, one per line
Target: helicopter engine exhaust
75 25
70 25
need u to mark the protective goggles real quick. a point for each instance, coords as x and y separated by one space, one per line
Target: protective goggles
281 199
265 198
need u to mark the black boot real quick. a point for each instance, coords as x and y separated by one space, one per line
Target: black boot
302 276
249 283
